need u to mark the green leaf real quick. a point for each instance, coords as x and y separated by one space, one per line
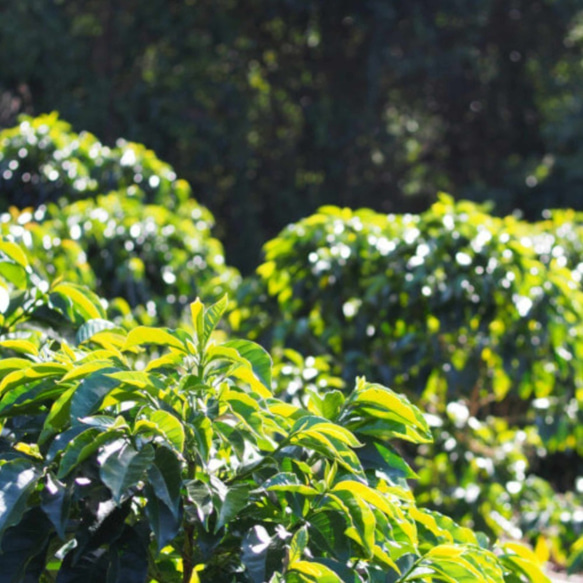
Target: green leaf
200 495
55 502
298 544
92 327
383 458
34 372
362 518
19 345
522 560
14 252
258 357
197 314
88 567
170 427
212 317
315 571
203 435
122 468
255 547
91 392
229 501
575 561
129 558
24 548
83 446
289 482
309 423
165 477
17 276
17 480
143 335
378 402
163 522
83 301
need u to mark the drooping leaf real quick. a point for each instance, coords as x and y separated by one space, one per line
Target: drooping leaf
254 556
20 345
163 522
258 357
124 467
129 558
168 426
17 480
24 548
83 446
165 476
55 502
90 567
82 300
229 502
14 252
91 392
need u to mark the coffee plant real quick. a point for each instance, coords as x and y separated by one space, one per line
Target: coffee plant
162 455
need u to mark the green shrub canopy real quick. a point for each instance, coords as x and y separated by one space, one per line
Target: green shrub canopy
158 454
450 303
116 219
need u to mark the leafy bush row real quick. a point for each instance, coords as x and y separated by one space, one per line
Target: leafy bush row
162 455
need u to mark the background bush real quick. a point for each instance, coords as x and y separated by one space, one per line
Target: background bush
142 238
470 313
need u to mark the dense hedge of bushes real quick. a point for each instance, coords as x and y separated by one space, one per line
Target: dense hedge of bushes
164 448
453 302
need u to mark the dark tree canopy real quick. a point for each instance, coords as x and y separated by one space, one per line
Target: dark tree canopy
271 109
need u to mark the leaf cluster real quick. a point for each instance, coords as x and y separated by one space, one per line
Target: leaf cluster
160 455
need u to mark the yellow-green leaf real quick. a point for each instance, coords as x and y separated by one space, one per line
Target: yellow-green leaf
159 336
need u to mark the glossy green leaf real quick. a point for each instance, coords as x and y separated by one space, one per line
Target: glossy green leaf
90 393
298 545
92 327
260 359
229 501
83 446
144 335
17 480
84 302
56 503
212 316
124 467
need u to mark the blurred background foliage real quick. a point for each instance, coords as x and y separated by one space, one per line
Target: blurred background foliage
116 219
270 110
478 318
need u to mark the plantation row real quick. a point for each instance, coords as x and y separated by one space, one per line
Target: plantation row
147 437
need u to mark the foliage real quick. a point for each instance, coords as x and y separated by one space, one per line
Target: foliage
271 110
471 313
149 244
42 160
481 473
159 455
453 302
